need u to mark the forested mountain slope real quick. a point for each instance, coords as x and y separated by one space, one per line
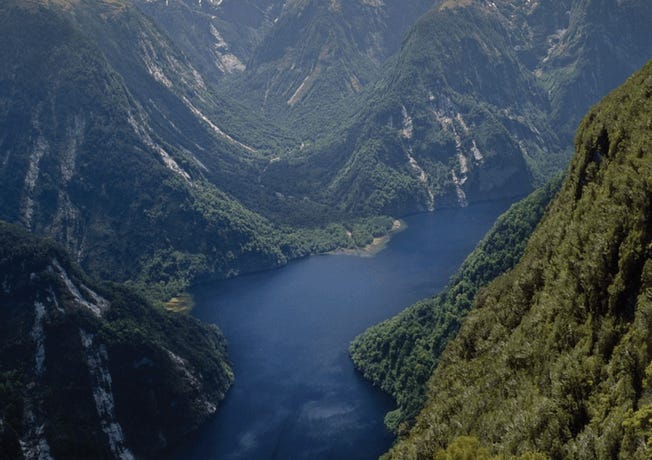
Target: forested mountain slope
555 356
114 144
92 370
130 132
86 161
400 354
480 102
300 61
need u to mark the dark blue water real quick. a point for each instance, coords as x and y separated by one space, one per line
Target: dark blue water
296 393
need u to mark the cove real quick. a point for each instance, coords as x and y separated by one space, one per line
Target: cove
296 394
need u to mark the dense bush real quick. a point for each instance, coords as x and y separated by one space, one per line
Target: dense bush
555 356
400 354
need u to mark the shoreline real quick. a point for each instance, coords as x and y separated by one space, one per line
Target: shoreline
184 302
179 303
373 248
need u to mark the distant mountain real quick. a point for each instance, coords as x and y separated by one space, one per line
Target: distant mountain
219 37
480 102
91 370
298 60
319 53
169 139
102 151
114 144
554 358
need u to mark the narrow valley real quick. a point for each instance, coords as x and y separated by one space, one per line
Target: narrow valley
199 249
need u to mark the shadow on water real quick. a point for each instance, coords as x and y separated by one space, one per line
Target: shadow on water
296 394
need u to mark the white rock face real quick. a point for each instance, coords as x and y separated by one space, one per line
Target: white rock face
52 298
33 444
75 137
408 127
97 306
192 381
214 127
407 133
142 131
462 122
182 365
464 164
305 85
477 155
38 335
461 195
227 62
467 152
96 358
27 208
423 178
66 223
151 60
159 60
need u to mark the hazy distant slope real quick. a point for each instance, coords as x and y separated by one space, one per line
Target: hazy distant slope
299 61
480 102
218 36
602 43
318 53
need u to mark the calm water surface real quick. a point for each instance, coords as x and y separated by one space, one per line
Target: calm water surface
296 393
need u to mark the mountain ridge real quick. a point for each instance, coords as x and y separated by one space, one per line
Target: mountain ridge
130 171
139 378
554 358
465 110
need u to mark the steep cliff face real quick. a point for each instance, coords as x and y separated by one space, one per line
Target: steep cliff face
218 36
107 143
555 357
91 370
481 101
297 60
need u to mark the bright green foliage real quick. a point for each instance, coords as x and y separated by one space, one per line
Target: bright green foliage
469 448
555 356
464 448
400 354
